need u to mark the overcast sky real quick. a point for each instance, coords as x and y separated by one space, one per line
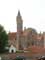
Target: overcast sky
32 12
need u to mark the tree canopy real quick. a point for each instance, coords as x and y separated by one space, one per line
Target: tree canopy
32 30
3 39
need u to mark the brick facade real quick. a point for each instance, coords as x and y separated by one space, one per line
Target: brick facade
25 38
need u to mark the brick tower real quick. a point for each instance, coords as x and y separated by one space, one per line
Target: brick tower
19 28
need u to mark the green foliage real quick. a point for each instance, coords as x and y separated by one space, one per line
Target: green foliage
3 39
32 30
19 58
19 51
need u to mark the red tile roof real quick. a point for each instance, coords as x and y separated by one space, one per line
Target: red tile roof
12 35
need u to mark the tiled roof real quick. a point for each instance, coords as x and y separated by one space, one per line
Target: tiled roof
12 35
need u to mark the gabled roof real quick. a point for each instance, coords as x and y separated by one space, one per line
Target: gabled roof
12 35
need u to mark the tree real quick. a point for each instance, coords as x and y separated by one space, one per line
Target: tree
3 39
32 30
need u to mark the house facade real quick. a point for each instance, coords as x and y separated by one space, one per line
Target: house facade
25 38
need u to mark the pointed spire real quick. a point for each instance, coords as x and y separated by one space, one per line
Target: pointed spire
19 13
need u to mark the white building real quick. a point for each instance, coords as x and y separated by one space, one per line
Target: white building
12 49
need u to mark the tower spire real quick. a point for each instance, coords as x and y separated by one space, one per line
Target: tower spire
19 13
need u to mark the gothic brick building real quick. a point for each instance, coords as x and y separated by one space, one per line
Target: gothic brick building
25 38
